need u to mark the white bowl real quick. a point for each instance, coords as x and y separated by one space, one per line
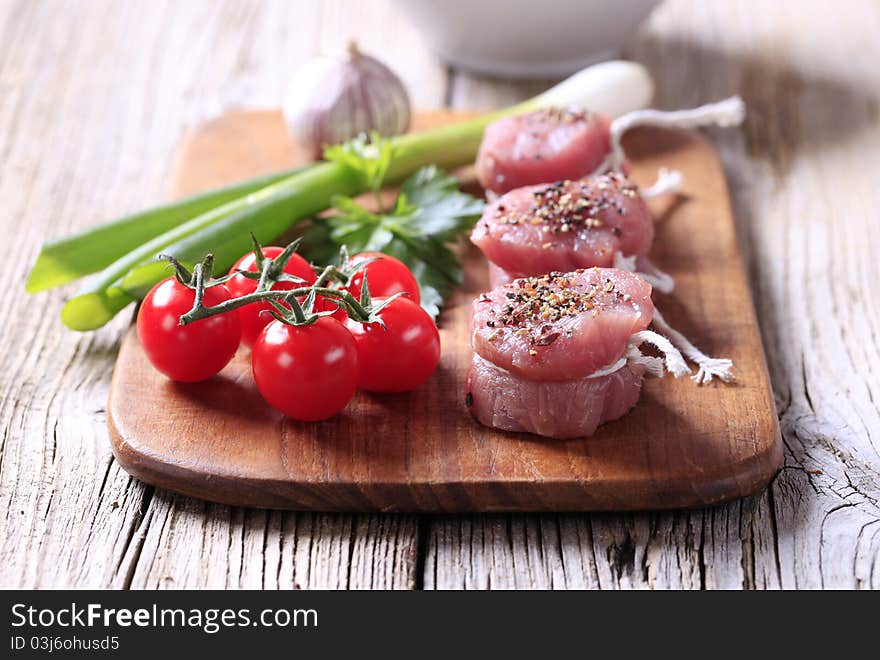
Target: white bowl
525 38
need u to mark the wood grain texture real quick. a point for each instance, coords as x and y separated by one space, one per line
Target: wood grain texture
803 178
682 446
94 97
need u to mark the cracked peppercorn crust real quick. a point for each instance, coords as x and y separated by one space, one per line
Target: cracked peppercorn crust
565 226
560 326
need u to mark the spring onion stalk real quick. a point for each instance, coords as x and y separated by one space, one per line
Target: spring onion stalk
266 212
72 257
613 88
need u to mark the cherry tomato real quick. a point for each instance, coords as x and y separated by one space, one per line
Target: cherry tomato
252 319
186 353
328 305
401 356
307 372
387 276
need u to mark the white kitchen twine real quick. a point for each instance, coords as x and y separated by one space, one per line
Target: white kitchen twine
668 182
672 360
709 367
729 112
660 281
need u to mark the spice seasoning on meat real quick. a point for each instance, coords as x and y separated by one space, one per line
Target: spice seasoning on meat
572 205
565 115
534 304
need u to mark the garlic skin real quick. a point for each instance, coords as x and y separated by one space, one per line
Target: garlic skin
333 99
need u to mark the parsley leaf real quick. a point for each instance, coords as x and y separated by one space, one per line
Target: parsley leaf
368 156
429 213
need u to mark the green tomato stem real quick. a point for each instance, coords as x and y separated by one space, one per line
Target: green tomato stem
199 311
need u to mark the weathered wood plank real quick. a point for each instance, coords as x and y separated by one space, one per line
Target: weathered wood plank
94 98
804 178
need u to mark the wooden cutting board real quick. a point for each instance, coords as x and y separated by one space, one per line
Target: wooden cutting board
683 445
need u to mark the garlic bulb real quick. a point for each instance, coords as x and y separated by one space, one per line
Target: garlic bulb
333 99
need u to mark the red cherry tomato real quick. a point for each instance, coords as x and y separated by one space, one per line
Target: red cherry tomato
386 277
307 372
186 353
252 318
328 305
401 356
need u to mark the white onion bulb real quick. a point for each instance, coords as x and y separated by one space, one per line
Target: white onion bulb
333 99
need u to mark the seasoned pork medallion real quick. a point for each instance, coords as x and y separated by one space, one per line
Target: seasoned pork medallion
556 409
542 146
565 226
560 326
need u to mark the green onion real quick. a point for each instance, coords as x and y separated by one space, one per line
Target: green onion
223 230
72 257
220 221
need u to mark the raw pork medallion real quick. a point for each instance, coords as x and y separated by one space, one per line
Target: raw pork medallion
563 226
554 144
540 147
548 351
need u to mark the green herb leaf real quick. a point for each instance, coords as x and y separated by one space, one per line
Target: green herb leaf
370 157
429 213
440 209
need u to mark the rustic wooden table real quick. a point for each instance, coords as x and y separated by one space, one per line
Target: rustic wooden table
94 97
